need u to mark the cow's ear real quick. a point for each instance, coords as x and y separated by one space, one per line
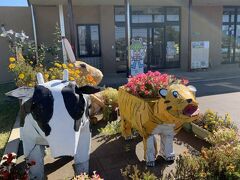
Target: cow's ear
87 89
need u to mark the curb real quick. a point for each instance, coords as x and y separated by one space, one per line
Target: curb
14 138
214 79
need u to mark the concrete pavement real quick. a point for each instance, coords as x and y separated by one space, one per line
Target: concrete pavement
222 103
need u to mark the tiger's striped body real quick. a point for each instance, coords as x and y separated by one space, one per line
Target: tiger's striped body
160 116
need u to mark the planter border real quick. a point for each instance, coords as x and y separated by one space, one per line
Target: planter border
199 131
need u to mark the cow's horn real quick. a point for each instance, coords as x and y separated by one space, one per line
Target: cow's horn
40 79
65 75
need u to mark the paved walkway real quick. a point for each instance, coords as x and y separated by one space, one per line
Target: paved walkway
223 103
221 72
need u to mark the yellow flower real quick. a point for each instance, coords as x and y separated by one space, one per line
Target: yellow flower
64 66
77 71
12 59
71 78
40 65
53 77
12 66
230 168
30 85
70 65
46 76
21 76
57 65
51 69
31 62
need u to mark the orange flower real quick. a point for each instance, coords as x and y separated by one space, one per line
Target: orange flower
90 78
70 65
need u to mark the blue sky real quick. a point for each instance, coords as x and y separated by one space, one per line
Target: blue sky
13 3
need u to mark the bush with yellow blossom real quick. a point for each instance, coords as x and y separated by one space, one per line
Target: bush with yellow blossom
221 161
211 121
25 72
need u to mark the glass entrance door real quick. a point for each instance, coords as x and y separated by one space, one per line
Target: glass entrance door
154 43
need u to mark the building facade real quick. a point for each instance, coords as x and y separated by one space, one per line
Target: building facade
163 26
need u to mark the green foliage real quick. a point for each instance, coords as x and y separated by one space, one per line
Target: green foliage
221 161
56 48
112 128
110 97
132 172
211 121
8 113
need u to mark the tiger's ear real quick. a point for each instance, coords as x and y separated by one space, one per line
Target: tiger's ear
163 92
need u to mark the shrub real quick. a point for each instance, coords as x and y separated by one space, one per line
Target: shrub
221 161
211 121
110 99
25 72
132 172
112 128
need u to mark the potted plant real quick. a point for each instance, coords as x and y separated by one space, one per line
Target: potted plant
210 121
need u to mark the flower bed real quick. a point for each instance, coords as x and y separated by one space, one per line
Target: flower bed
210 121
220 161
25 72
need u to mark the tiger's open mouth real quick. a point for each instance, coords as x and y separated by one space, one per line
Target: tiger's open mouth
191 110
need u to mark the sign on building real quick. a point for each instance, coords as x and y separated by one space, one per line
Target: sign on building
200 54
138 52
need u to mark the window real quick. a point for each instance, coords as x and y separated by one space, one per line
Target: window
231 35
120 43
88 40
173 14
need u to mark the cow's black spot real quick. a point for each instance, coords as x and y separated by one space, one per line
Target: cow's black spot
74 104
42 107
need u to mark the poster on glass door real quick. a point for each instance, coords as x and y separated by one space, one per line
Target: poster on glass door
138 52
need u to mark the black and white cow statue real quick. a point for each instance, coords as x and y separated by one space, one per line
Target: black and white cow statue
58 115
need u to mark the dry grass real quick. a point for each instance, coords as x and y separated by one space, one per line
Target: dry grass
8 113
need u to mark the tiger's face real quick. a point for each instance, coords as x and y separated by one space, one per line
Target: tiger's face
179 101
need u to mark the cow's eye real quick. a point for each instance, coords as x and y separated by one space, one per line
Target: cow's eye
175 94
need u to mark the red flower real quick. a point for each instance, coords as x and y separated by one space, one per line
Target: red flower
147 85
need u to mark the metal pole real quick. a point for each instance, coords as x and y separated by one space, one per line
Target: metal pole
189 35
34 31
71 26
127 34
62 27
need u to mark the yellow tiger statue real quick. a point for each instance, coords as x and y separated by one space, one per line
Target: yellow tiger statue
163 116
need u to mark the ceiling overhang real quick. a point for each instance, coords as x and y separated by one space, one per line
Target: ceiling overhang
139 2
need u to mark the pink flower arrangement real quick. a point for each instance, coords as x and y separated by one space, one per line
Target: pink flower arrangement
147 85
